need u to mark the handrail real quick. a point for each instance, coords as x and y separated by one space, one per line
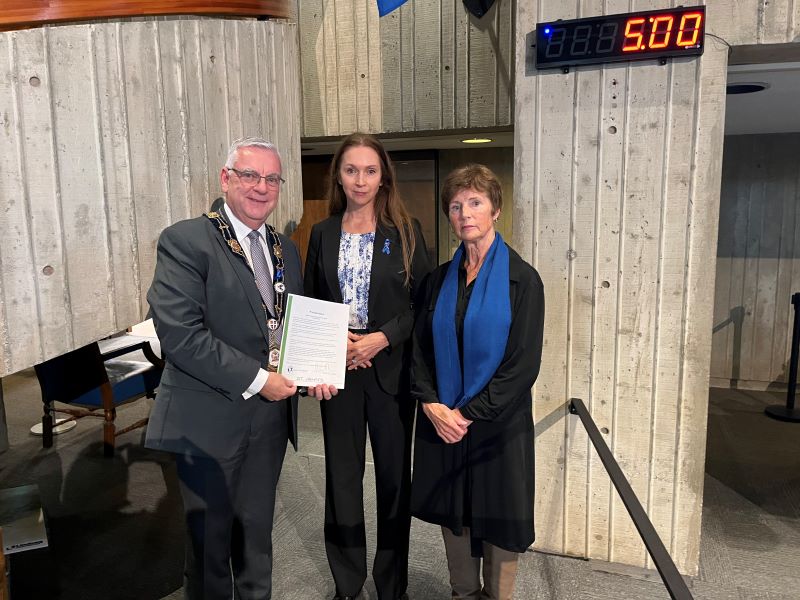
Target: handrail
673 580
32 13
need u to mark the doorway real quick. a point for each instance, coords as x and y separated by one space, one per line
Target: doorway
752 489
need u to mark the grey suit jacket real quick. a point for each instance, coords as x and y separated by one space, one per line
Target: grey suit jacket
211 324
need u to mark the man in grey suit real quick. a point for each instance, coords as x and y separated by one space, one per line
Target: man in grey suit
217 302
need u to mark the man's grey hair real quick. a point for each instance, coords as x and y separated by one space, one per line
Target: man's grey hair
249 142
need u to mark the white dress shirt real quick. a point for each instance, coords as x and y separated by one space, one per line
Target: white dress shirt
242 231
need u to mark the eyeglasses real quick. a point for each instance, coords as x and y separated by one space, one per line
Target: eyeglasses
251 178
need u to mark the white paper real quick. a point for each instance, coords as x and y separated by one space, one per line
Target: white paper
21 519
314 343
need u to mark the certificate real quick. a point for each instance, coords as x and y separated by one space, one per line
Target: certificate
314 342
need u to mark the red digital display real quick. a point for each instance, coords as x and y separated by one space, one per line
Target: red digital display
662 30
629 36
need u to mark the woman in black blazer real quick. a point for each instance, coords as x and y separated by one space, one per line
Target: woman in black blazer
371 255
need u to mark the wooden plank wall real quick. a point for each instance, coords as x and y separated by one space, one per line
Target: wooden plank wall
757 266
429 65
110 132
742 22
616 184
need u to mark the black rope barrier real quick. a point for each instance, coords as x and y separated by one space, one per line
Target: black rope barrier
789 412
673 580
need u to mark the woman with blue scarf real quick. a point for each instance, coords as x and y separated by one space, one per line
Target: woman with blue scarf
477 348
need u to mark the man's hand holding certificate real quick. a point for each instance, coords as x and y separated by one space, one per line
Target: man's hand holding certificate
314 344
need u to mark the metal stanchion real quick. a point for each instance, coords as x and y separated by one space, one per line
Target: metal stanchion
789 412
4 591
3 422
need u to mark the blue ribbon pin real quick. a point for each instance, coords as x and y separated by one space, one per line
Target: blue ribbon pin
386 249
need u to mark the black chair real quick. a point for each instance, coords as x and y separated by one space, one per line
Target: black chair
96 379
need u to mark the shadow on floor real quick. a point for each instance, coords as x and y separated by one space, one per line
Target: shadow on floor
753 455
114 532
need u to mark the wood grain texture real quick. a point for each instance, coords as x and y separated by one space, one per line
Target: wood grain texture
82 202
741 22
609 198
552 235
329 91
312 56
111 132
503 40
196 160
482 38
345 71
757 255
146 140
390 81
408 79
447 80
427 65
610 163
581 293
692 404
424 67
40 181
20 277
342 78
25 13
672 294
438 67
361 60
461 66
374 75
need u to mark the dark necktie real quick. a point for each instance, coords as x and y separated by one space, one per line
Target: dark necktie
261 271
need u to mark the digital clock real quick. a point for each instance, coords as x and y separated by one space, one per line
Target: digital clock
628 36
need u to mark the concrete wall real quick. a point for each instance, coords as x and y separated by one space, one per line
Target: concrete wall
617 176
757 261
429 65
110 132
746 22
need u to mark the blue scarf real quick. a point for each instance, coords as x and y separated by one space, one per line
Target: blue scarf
486 327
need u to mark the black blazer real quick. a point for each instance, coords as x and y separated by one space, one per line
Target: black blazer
390 302
210 320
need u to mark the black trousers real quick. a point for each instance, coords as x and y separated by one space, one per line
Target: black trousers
346 417
229 505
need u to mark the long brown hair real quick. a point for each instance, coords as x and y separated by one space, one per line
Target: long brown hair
389 207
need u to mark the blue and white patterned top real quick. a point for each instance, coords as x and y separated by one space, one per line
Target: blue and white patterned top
354 269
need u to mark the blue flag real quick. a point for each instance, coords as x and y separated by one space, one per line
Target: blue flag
387 6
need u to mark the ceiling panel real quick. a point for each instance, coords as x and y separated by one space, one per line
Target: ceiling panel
773 110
